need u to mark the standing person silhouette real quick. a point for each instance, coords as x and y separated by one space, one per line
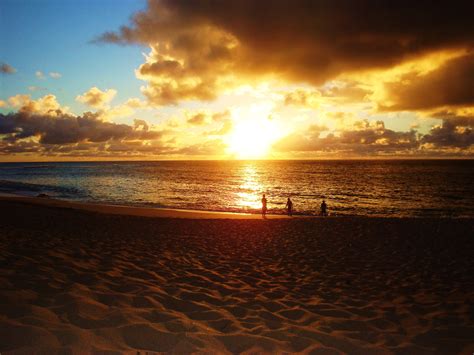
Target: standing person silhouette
264 206
289 206
324 208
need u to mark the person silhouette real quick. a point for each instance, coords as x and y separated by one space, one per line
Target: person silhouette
324 208
289 207
264 206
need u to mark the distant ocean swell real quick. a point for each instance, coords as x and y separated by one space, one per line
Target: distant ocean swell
28 189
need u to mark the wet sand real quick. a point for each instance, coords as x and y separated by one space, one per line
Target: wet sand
139 211
81 281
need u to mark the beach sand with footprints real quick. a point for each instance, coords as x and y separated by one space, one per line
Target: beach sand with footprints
76 281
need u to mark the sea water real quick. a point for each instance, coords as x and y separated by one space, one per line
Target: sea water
421 188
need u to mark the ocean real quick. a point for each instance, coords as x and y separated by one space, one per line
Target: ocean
391 188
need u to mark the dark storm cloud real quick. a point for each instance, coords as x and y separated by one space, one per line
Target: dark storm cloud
455 131
452 84
298 40
67 129
7 69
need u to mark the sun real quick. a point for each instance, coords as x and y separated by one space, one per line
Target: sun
252 138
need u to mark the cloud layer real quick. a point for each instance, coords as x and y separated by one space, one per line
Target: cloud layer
200 48
452 84
338 74
453 136
41 127
65 129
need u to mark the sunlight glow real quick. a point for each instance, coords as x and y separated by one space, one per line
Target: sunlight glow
248 196
253 135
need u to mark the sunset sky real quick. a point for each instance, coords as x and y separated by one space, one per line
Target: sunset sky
235 79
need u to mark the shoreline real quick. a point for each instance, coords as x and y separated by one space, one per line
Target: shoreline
141 211
161 212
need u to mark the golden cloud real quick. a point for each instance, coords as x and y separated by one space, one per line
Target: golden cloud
41 128
47 104
449 85
201 118
305 98
197 119
363 137
97 98
202 48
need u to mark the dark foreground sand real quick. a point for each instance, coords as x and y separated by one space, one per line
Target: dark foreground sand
83 282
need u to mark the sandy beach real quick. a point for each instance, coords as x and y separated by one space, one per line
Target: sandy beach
81 280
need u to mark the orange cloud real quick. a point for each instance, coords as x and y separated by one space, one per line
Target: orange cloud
450 85
197 119
97 98
47 104
209 148
226 128
135 103
202 118
303 98
200 49
40 128
363 137
125 109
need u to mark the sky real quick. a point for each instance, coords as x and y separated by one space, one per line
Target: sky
235 79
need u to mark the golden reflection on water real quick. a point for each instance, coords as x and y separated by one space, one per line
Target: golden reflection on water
250 190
